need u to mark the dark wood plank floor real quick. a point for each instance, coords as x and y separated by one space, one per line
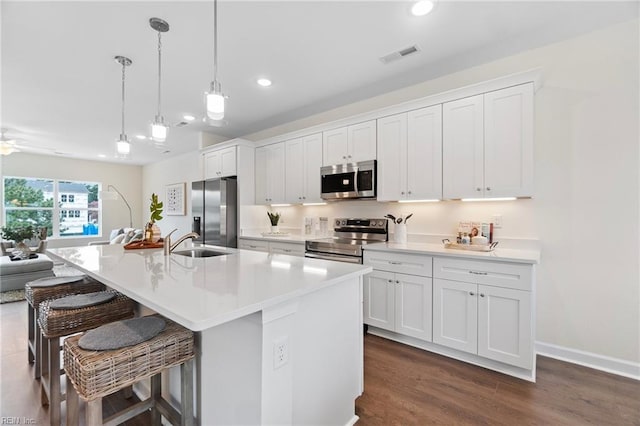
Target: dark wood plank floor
403 386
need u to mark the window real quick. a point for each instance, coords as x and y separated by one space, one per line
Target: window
31 200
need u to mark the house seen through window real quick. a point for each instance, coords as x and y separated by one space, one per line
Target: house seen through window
32 200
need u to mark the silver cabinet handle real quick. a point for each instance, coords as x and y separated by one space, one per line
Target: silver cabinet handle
471 293
477 273
481 294
287 250
394 263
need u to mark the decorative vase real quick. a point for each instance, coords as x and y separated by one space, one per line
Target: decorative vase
152 233
22 246
274 229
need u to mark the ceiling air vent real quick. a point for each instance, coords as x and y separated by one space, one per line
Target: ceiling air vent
400 54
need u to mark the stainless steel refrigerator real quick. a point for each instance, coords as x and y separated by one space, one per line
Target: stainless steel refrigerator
214 207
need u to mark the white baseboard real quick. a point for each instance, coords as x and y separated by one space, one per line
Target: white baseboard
591 360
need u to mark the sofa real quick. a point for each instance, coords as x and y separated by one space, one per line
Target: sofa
121 236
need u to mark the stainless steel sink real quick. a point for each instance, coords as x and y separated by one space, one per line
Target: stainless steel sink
196 252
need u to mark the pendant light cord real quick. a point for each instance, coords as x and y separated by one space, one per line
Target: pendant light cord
159 69
123 67
215 40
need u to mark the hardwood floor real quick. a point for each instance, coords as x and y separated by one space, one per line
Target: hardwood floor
409 386
403 386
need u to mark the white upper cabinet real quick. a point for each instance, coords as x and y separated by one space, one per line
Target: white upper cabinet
488 144
303 159
270 173
410 155
508 142
220 163
349 144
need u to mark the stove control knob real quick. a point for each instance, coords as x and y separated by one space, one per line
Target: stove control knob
344 223
337 223
381 223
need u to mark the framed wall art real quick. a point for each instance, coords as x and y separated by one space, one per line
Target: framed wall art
176 204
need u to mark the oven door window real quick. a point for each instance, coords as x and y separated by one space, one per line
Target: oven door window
339 182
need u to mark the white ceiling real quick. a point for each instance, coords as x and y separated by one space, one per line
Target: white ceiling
60 88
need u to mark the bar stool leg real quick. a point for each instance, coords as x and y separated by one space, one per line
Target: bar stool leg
73 405
186 393
94 412
31 334
50 383
156 395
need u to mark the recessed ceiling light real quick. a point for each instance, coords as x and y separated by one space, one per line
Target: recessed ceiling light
188 117
422 7
102 156
141 137
264 82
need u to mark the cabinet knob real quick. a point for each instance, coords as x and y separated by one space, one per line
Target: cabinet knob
478 189
349 156
471 293
304 198
488 188
389 281
402 193
397 282
409 192
481 294
344 157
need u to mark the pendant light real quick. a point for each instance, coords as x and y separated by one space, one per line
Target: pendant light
214 98
158 128
123 147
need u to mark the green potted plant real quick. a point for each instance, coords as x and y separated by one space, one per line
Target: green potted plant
152 231
274 218
18 232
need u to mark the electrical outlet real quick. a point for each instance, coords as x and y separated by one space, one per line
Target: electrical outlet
280 352
497 220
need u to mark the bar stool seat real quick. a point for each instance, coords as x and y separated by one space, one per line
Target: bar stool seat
70 315
36 292
94 374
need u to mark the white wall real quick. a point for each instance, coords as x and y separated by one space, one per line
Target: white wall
184 168
586 209
128 180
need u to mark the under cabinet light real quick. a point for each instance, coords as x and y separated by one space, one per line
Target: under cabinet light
314 204
280 205
418 201
490 199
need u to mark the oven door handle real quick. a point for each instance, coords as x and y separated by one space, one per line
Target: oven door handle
349 259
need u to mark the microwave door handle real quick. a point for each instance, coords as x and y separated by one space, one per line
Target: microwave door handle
355 181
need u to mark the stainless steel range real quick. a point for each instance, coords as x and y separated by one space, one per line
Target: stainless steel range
349 237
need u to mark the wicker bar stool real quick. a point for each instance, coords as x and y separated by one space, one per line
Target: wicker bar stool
94 374
36 292
69 315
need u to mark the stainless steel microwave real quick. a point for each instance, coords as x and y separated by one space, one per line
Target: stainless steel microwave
352 180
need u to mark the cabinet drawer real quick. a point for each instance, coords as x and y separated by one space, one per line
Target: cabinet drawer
499 274
253 245
291 249
411 264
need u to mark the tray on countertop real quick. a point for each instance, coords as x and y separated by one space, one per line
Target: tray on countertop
143 245
486 248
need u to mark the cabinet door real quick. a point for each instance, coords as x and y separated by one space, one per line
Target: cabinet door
413 306
228 162
462 148
312 164
334 147
424 154
212 165
276 167
362 142
504 325
455 313
508 142
379 300
262 172
294 172
392 157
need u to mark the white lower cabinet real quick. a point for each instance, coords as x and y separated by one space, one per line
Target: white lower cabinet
398 302
490 321
273 247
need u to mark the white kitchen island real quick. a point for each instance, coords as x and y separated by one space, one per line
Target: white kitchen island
279 338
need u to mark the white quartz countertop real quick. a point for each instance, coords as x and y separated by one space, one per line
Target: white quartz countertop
289 238
200 293
503 255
